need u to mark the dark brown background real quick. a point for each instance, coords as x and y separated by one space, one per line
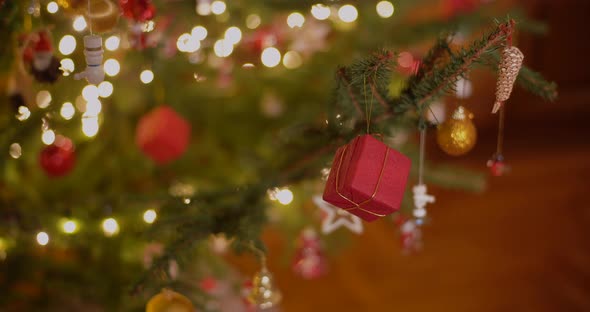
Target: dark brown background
524 244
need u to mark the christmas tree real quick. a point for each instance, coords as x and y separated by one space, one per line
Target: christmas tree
141 137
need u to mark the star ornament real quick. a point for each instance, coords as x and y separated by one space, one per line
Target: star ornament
336 218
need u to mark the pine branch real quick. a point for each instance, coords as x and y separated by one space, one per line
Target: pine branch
436 84
343 77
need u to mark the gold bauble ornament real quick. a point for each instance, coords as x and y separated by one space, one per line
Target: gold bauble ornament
457 135
264 294
169 301
102 15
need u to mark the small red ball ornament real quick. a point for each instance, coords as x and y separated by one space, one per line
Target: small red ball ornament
497 165
309 261
58 159
163 135
138 10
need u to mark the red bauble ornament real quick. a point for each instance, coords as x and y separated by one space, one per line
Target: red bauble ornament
497 165
367 179
162 134
138 10
58 159
309 261
264 37
208 284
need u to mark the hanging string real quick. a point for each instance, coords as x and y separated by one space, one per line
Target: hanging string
368 108
88 16
500 131
422 152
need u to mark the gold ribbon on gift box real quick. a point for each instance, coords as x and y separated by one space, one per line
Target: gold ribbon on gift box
359 205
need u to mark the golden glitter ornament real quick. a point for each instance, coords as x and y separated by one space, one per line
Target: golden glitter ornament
102 15
457 135
507 72
72 7
264 294
169 301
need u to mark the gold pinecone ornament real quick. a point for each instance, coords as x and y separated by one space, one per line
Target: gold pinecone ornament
457 135
264 294
507 72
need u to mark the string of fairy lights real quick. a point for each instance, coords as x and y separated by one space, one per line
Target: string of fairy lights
110 226
88 103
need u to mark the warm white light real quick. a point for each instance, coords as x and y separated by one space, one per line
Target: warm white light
270 57
112 67
90 92
348 13
148 26
284 196
93 108
79 23
105 89
187 43
193 45
89 125
464 88
15 151
320 11
67 66
69 226
295 19
67 110
218 7
182 41
43 98
23 113
203 8
67 45
253 21
52 7
199 32
42 238
146 76
110 227
292 60
112 43
233 35
223 48
385 9
48 137
419 213
149 216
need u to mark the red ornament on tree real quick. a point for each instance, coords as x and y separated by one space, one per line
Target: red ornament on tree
58 159
39 58
264 37
410 237
208 284
162 134
367 179
138 10
309 261
497 165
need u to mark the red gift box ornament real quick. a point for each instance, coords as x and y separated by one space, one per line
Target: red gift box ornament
163 135
368 178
